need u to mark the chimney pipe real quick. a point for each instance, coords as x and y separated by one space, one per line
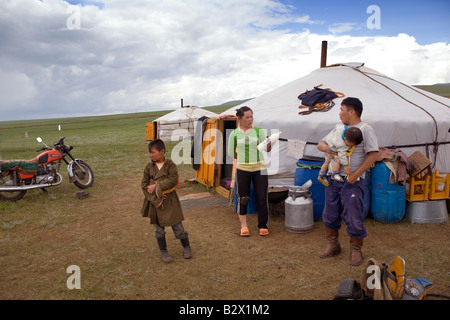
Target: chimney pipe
323 57
182 102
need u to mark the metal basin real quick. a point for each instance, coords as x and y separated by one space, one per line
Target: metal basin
277 194
432 211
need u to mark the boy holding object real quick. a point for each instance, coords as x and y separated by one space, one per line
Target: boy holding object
161 203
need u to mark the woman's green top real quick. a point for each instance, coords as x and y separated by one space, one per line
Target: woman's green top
249 158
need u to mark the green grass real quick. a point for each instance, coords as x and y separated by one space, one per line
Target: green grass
41 235
436 89
46 228
110 144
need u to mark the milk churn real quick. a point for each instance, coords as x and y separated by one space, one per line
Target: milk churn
298 211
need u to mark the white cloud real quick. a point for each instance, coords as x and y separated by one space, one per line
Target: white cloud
16 89
146 55
399 57
341 27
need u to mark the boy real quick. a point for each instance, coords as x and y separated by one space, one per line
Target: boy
340 140
161 203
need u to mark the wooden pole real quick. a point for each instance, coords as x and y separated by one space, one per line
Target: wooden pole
323 57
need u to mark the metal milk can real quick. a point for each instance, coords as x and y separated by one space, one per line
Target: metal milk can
298 211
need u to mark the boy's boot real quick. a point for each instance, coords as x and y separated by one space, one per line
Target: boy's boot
333 248
356 257
187 252
163 248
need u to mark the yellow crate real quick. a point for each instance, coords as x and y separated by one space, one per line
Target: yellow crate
436 192
419 187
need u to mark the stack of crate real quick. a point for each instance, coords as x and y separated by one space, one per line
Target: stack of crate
426 186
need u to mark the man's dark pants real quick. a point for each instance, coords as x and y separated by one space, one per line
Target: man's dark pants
344 201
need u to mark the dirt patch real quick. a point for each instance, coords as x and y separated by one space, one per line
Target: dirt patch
119 259
202 200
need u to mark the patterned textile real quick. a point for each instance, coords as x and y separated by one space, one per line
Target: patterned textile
24 166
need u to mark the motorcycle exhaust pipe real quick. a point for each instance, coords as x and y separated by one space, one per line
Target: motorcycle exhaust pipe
33 186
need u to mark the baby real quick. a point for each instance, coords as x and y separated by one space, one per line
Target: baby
341 140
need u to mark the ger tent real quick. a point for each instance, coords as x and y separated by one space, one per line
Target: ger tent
181 123
401 115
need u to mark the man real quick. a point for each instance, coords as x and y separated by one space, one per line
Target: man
344 200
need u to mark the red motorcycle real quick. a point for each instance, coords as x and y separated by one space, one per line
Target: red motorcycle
17 177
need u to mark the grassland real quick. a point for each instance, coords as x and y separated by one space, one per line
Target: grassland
442 90
43 234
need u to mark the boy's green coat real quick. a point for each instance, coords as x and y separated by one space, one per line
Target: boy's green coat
169 212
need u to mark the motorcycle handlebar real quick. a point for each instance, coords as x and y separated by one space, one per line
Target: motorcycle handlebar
60 141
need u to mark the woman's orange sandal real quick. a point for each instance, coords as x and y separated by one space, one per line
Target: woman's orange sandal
263 232
245 232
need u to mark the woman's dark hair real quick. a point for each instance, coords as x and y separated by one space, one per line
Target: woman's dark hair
241 110
158 144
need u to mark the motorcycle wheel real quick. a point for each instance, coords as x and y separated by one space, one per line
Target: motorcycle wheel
85 179
10 195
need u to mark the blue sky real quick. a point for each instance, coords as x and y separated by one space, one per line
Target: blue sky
72 58
427 21
83 3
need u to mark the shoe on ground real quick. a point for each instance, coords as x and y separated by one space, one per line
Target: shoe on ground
166 258
245 232
187 252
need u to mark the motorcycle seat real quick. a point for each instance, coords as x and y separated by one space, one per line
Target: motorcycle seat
24 166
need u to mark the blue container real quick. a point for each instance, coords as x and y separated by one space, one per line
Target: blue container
309 169
252 207
367 193
388 200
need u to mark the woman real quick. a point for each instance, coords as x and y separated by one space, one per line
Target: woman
250 167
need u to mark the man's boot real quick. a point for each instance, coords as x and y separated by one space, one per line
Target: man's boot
163 248
333 248
356 257
187 253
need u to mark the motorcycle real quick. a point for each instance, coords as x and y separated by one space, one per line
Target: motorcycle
17 177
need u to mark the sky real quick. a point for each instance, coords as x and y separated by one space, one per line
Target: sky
75 58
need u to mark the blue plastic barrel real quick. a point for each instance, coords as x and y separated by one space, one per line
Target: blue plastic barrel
388 200
309 169
367 193
252 207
